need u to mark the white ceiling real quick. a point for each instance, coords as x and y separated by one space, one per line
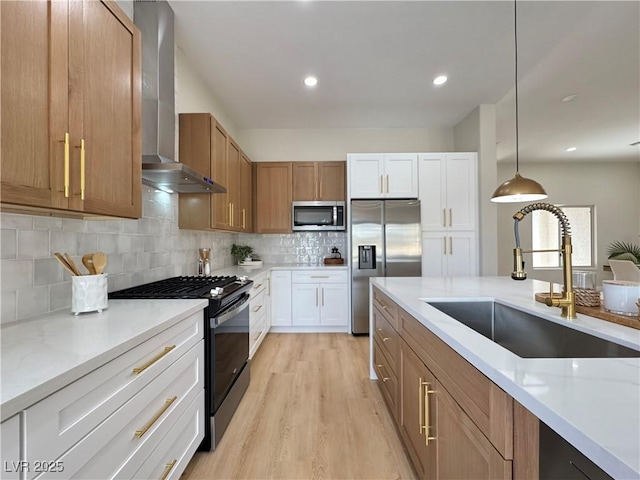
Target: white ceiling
375 61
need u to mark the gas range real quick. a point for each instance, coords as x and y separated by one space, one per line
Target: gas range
219 290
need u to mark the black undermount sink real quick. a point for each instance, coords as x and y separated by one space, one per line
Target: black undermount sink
527 335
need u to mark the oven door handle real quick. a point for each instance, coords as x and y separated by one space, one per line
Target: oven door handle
239 306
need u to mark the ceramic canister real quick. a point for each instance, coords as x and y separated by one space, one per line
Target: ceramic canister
620 296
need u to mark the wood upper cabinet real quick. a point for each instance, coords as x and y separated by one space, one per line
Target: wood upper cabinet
70 106
318 181
272 202
245 195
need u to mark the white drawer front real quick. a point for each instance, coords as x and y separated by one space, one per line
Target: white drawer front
121 444
10 448
259 282
319 276
62 419
171 457
257 306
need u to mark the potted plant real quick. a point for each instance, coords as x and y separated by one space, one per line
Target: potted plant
624 251
241 252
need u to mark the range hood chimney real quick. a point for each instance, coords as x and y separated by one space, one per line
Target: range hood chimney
154 19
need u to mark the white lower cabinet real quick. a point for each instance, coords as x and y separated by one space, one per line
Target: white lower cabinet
110 422
10 448
259 322
281 298
449 254
320 298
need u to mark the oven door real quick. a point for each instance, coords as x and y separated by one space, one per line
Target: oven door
230 348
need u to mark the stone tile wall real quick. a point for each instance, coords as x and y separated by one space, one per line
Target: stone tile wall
307 248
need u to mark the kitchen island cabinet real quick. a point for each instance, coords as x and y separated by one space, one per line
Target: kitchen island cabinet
71 109
490 402
121 393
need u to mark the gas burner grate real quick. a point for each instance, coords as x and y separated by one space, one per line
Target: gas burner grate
176 287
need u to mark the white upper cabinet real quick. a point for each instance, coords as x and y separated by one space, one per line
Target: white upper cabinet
448 191
383 175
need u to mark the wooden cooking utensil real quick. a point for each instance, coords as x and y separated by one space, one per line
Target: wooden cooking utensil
72 264
99 262
87 261
64 263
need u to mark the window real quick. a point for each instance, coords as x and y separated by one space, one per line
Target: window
547 236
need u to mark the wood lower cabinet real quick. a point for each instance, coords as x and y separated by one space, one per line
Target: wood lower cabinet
318 181
272 201
455 422
71 108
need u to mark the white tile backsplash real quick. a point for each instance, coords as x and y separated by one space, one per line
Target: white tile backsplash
140 251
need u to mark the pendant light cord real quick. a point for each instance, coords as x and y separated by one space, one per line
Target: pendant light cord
515 41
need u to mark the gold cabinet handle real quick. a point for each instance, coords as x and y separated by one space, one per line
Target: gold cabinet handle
384 339
384 379
255 287
379 329
268 286
257 308
244 218
154 419
232 213
381 189
444 239
322 303
82 169
450 245
420 406
387 183
168 469
444 217
229 212
316 296
66 164
319 276
166 350
450 216
427 423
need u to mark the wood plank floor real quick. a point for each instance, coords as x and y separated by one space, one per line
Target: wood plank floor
310 412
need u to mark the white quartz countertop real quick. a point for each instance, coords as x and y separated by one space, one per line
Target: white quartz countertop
253 271
594 403
42 355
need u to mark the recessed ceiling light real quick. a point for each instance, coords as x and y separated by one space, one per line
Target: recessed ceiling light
311 81
571 149
568 98
442 79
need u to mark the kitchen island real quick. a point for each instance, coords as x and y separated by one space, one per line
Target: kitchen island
593 403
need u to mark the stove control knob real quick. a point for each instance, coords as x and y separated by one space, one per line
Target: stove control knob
243 279
216 291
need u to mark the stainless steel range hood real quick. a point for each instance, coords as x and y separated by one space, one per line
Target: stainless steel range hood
159 169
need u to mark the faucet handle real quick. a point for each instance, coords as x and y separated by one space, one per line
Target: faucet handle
551 289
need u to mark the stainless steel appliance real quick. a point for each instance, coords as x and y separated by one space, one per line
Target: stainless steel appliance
226 340
385 242
317 216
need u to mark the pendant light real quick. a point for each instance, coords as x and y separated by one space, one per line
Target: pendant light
518 188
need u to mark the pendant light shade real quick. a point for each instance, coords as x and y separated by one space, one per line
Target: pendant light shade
519 188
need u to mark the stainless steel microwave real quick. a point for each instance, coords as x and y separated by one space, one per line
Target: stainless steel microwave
318 216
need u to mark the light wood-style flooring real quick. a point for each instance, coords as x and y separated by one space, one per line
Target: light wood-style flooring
310 412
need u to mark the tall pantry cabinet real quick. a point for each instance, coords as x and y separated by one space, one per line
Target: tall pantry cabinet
449 212
70 106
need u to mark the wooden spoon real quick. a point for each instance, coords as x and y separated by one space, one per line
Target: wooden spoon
99 262
72 264
87 261
64 263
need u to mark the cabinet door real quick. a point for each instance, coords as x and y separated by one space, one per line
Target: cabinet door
220 175
273 197
331 181
461 191
366 175
461 258
401 175
417 412
433 213
105 102
305 305
281 298
305 182
34 102
233 186
463 451
10 448
245 195
334 303
434 256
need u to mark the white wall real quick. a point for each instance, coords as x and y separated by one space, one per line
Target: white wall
613 187
477 133
274 145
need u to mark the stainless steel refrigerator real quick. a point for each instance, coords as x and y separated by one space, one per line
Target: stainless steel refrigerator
385 242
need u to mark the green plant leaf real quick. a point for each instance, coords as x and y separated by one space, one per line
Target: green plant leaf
624 251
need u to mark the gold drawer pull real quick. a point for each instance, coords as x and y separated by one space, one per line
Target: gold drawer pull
379 329
168 469
319 276
255 287
166 350
384 339
82 169
149 424
426 413
384 379
66 164
257 308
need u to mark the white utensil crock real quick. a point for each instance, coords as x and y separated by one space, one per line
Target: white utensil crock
89 293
